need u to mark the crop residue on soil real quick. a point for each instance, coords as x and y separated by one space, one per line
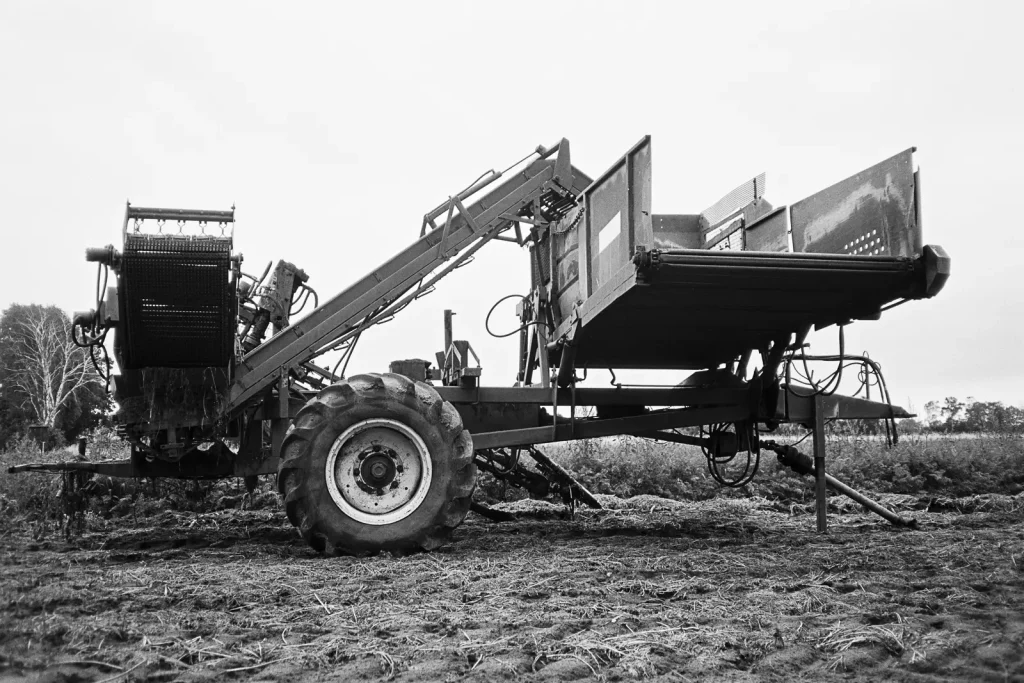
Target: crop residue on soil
652 589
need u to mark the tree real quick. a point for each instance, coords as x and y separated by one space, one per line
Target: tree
45 374
991 416
951 409
92 408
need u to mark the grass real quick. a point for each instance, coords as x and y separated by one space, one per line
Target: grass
949 467
31 499
728 588
56 502
953 466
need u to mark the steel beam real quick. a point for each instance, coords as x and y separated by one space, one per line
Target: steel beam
600 396
216 463
589 429
197 215
796 405
873 506
699 258
675 437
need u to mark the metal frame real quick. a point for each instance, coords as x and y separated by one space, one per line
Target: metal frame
404 277
700 406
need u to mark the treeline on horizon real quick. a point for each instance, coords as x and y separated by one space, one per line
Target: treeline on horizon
953 416
949 416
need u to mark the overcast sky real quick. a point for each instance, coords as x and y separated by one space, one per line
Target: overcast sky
333 127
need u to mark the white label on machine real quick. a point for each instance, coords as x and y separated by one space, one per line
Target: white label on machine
609 232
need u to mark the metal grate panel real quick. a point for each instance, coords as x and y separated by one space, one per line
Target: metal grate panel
725 207
178 307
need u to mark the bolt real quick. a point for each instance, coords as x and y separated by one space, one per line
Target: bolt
355 471
362 456
400 468
394 484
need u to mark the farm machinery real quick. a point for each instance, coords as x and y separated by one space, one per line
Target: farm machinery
217 376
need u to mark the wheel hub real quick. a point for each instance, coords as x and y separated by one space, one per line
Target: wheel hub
378 471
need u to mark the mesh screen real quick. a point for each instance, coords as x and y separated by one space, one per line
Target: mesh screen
734 201
177 304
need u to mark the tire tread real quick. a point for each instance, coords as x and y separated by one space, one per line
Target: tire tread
301 509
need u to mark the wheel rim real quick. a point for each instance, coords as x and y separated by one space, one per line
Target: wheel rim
378 471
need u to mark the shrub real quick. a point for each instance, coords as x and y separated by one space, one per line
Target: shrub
29 497
955 465
952 465
626 466
50 501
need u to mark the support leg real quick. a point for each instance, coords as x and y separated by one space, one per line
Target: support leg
804 464
820 492
279 424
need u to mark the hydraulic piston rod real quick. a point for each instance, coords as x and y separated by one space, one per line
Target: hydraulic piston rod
801 463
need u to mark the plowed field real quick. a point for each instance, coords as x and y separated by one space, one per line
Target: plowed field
655 589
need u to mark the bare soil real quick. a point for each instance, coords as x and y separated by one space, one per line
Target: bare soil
721 590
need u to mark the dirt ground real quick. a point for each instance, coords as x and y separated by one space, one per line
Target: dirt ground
723 590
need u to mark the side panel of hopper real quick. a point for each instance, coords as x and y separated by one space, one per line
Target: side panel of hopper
617 218
647 297
872 213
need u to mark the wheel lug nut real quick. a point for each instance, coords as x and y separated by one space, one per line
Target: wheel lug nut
394 484
362 456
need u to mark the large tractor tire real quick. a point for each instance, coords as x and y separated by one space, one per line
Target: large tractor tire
377 462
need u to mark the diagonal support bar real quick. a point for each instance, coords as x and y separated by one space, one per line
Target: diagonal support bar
304 339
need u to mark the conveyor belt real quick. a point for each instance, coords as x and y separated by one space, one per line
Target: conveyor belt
692 309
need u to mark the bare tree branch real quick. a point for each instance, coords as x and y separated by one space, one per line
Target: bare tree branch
48 367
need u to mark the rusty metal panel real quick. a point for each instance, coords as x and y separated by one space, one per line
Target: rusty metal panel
728 237
872 213
618 217
769 233
679 231
606 225
639 162
477 417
